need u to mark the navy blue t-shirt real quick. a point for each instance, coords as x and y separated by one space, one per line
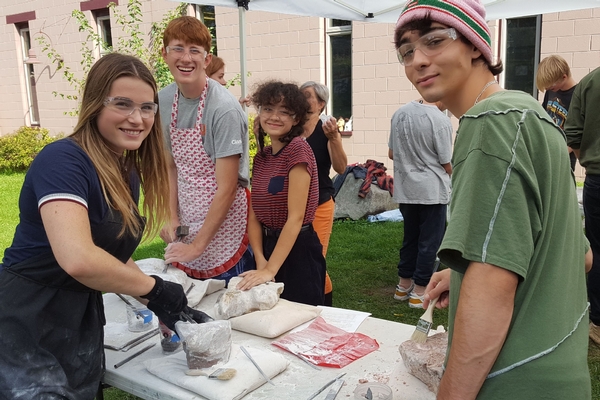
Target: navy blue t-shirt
61 171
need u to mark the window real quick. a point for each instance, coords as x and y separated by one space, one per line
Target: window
522 38
206 14
30 89
339 62
102 18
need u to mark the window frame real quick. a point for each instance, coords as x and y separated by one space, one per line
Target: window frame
536 52
200 13
101 16
29 74
330 32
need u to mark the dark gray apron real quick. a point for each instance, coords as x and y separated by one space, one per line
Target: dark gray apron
51 326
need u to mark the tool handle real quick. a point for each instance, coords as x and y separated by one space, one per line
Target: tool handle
315 394
131 357
124 299
256 365
428 315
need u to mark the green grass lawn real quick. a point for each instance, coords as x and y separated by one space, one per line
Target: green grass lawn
362 263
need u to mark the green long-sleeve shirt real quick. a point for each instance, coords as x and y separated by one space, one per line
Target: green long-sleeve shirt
583 122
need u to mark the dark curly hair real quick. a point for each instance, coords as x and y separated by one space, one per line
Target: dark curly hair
275 92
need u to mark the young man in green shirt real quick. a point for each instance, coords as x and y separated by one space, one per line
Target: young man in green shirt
514 242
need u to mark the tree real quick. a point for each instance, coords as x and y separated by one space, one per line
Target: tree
132 42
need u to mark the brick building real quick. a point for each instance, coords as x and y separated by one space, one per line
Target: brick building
356 60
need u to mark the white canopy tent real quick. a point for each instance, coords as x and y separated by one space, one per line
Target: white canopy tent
386 11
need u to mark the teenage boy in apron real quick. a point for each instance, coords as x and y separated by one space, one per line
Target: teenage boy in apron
206 134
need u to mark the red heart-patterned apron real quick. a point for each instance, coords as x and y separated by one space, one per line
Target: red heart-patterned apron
196 188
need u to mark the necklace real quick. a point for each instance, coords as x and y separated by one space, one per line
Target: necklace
487 85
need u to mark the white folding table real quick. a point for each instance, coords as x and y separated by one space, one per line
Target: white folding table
298 381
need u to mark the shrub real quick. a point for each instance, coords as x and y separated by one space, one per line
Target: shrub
252 145
18 150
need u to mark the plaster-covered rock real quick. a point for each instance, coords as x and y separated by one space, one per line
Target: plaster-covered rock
425 360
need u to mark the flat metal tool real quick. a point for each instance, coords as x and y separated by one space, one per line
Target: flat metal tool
139 313
134 355
300 356
256 365
325 386
190 288
133 342
335 389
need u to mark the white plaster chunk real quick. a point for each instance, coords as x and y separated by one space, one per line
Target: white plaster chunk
425 360
234 302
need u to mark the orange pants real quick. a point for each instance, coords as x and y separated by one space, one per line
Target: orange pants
323 224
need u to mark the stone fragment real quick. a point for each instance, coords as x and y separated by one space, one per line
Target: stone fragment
425 360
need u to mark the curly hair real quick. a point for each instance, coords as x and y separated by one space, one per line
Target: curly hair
275 92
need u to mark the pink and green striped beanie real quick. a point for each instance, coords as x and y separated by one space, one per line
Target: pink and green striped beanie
466 16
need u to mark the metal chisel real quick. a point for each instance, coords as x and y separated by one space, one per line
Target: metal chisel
335 389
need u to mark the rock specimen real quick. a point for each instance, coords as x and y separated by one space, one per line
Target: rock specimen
425 360
349 205
205 344
234 302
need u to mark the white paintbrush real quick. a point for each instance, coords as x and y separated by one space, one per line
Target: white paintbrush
424 324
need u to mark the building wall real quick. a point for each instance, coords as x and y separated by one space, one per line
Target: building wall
52 19
278 46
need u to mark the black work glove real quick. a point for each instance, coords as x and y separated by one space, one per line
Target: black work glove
166 298
198 316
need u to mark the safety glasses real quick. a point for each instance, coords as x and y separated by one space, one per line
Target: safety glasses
430 44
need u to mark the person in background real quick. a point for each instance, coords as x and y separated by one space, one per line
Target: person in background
285 195
348 124
216 70
325 140
79 225
581 129
420 144
514 239
341 123
554 77
207 138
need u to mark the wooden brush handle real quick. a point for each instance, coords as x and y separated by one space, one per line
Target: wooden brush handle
429 312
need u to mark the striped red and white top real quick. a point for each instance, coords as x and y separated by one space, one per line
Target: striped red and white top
270 182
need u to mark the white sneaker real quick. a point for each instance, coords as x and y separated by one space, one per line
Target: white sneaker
403 293
415 301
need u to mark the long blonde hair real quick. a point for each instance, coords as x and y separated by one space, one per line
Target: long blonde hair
149 160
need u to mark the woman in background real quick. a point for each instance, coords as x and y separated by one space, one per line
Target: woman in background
216 70
321 133
285 194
